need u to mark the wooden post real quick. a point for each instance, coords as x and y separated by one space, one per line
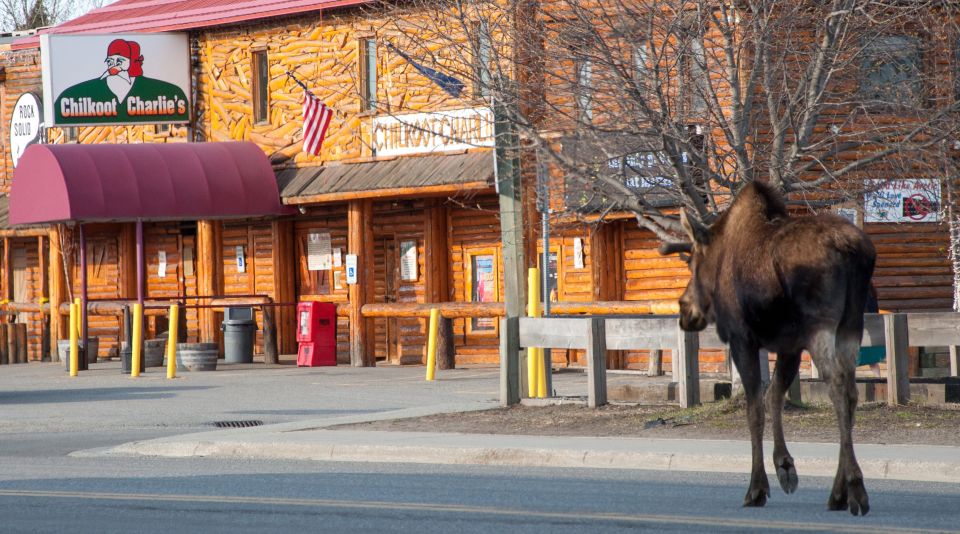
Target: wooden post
207 265
511 236
655 363
21 329
4 349
360 243
596 362
8 274
284 283
12 350
44 266
436 265
445 347
688 365
270 351
58 286
509 361
896 334
954 360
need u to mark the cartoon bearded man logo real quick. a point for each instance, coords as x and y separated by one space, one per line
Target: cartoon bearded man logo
124 65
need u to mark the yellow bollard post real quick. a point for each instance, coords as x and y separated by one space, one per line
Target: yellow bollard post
533 310
432 343
74 340
137 341
172 341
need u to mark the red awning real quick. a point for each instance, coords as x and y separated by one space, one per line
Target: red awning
56 183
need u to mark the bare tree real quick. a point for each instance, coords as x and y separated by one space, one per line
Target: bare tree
16 15
650 105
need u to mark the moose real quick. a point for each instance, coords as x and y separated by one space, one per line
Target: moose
786 284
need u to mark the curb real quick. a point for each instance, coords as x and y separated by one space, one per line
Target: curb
422 448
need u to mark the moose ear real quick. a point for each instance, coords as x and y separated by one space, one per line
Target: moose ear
696 231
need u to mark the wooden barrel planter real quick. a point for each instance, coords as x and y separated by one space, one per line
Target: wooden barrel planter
197 356
153 351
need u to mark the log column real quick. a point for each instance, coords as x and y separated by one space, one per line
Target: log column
58 292
360 243
607 278
208 266
284 277
436 263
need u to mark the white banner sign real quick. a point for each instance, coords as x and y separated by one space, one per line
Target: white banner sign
115 79
417 133
26 123
915 200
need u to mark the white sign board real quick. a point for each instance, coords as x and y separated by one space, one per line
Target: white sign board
115 79
318 252
26 124
408 261
915 200
241 260
351 263
418 133
162 267
577 253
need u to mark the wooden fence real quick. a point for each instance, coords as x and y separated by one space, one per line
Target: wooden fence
596 335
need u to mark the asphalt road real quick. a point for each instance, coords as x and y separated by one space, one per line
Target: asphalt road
60 495
45 416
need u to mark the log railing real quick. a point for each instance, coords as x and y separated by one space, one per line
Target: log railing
596 335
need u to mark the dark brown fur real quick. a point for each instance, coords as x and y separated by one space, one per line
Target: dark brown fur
785 284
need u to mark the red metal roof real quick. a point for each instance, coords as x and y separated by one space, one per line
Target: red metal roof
106 182
128 16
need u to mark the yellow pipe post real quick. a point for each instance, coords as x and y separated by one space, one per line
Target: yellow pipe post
137 340
432 343
172 341
533 353
74 340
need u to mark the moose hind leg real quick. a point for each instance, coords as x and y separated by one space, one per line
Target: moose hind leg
848 491
788 364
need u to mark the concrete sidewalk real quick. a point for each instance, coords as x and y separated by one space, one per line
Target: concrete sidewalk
314 440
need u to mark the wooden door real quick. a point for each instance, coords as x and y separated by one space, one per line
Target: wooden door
21 293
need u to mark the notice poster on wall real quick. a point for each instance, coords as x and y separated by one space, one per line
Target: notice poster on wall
337 257
162 267
916 200
241 260
577 253
351 268
318 252
408 261
484 288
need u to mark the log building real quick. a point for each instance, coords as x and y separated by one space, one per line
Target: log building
418 212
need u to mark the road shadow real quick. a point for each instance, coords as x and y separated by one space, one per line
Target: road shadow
91 395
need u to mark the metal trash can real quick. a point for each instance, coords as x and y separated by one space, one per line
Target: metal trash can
239 332
126 359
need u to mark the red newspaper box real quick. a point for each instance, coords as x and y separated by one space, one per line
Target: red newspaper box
316 334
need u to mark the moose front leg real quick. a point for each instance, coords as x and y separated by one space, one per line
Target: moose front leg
747 359
788 364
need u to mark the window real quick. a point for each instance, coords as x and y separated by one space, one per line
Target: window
483 283
368 74
641 63
261 87
70 134
698 74
482 75
956 69
891 71
585 89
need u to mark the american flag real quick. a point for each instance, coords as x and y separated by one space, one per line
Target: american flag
316 119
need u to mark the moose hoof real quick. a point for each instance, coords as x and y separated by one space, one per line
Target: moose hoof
787 475
755 497
857 499
853 496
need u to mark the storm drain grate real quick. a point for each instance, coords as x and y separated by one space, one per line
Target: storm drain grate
237 424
